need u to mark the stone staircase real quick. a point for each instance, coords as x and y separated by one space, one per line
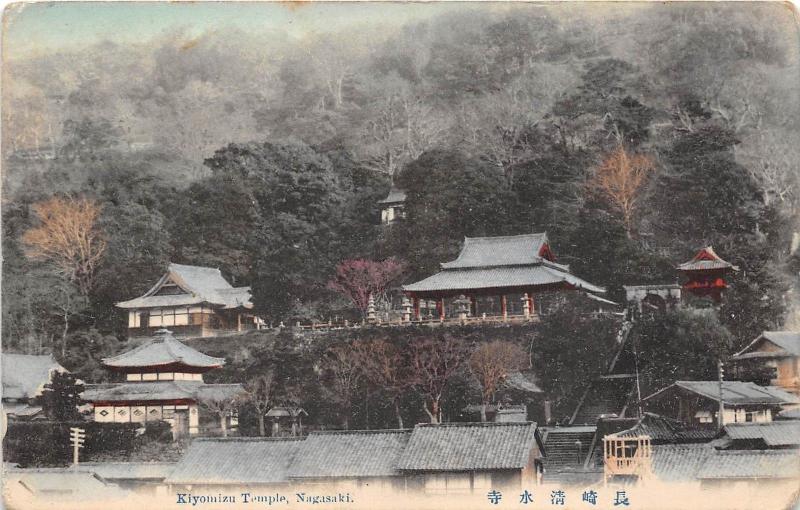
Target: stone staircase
606 397
567 447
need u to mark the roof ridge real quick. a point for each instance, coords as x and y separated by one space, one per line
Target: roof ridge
247 439
532 234
359 432
477 424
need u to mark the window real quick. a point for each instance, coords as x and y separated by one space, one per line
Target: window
704 416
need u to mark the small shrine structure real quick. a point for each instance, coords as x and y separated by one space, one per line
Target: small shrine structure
706 274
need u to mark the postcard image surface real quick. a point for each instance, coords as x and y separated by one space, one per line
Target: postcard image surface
366 255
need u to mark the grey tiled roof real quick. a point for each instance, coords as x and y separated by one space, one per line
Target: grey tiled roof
352 454
160 390
200 285
735 392
235 461
395 196
788 341
666 430
24 375
751 464
469 446
499 251
498 277
702 262
780 433
679 462
163 349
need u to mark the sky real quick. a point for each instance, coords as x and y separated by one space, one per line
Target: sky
45 27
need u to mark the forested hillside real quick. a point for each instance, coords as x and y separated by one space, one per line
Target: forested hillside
265 155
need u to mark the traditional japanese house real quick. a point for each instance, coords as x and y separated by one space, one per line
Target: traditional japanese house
696 403
193 302
24 377
706 274
234 463
392 207
362 459
459 458
772 358
496 276
760 436
164 381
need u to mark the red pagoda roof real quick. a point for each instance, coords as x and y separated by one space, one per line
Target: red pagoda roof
162 350
706 259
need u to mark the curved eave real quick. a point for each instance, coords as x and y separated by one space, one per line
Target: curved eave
171 366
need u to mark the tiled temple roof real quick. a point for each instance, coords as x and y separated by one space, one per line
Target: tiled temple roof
501 262
235 461
199 285
706 259
163 349
349 454
160 390
469 446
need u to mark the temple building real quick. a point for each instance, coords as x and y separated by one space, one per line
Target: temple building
773 358
495 276
193 302
164 381
393 206
706 274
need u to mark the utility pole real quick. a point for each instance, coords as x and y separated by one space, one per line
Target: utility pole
720 375
76 436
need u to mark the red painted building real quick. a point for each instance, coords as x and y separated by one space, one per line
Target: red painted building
496 276
706 274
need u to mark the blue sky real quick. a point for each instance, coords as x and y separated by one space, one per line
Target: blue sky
45 27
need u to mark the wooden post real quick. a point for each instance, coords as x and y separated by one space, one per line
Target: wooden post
531 304
526 306
473 306
440 306
503 307
239 322
416 308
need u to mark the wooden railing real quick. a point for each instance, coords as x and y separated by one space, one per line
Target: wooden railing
437 321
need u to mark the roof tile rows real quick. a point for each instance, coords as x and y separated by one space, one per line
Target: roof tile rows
357 454
343 455
199 285
735 392
674 463
460 447
499 251
160 390
163 350
774 434
235 461
498 277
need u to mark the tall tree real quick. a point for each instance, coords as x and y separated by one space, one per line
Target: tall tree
343 374
434 361
386 368
620 179
69 238
491 363
261 395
